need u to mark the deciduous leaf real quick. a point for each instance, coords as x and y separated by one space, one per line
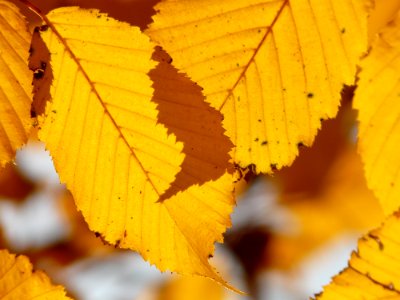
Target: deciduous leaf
18 281
101 126
377 100
185 113
15 81
273 68
120 164
201 197
373 271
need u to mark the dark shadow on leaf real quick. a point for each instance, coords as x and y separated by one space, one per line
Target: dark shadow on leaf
184 112
39 63
135 12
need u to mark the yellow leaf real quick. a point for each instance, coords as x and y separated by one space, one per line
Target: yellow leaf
197 125
120 164
273 68
15 81
374 270
200 199
18 281
101 127
377 100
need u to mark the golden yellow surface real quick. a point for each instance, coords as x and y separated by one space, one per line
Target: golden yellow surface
19 281
377 101
102 131
15 81
273 68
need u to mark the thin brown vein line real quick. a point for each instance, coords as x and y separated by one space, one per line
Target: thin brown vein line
83 131
374 281
101 101
25 43
94 181
217 15
6 97
322 46
241 51
217 38
112 187
130 50
278 60
262 108
269 31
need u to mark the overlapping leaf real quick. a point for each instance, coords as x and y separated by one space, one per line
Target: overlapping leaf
101 131
273 68
374 270
101 126
377 101
201 197
15 81
185 113
18 281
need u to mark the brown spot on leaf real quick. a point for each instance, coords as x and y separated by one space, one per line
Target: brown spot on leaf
377 240
43 28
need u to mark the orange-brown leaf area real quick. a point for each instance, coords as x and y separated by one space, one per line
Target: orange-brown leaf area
194 123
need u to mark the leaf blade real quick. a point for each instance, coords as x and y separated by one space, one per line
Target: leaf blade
172 234
19 281
15 81
373 269
101 130
376 100
259 66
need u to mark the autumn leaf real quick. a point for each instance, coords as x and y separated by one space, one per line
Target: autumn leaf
18 281
373 271
15 81
273 68
197 125
101 126
101 131
377 101
201 198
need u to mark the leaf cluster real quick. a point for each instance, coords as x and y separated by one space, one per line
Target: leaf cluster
150 130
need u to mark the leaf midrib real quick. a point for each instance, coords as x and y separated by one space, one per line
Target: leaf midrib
94 90
246 67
